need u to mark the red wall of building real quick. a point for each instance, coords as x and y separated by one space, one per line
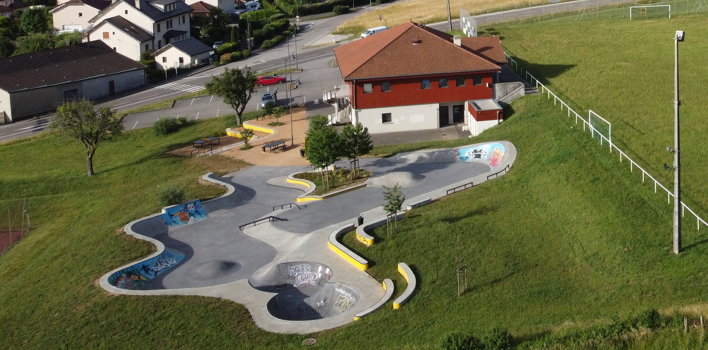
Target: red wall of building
484 115
407 91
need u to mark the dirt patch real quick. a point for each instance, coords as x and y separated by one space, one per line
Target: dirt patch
218 164
288 157
224 141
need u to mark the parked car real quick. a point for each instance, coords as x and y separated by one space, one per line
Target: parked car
270 80
372 31
217 44
268 97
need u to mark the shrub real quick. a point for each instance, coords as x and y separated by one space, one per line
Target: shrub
227 48
497 339
225 58
165 125
217 63
340 9
276 17
263 15
649 319
272 42
236 56
170 196
245 53
461 341
150 64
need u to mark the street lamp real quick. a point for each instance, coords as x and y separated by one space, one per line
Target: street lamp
677 154
290 104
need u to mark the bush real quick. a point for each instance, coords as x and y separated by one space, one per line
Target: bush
276 17
167 125
497 339
170 196
461 341
649 319
262 15
245 53
272 42
226 58
290 9
217 63
227 48
340 9
150 64
236 56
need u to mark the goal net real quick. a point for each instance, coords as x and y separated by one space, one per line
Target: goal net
468 24
649 11
600 126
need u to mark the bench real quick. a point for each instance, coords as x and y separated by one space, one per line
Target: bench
274 145
212 139
200 145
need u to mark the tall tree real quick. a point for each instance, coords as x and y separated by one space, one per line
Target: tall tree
8 28
34 21
323 145
235 87
356 142
33 42
80 120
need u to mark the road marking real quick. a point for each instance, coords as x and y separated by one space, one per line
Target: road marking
192 102
217 112
181 87
34 126
136 124
212 98
197 116
19 133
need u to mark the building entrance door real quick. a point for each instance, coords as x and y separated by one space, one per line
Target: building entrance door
444 113
458 114
112 87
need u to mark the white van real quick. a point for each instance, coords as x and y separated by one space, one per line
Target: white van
372 31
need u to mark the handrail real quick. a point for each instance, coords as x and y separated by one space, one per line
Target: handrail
505 170
254 223
464 187
290 205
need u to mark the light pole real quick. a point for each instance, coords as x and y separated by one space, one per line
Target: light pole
677 154
449 18
297 24
290 104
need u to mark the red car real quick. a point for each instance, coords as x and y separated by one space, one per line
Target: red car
270 80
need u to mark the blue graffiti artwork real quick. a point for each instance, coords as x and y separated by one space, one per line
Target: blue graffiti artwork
138 275
184 214
490 154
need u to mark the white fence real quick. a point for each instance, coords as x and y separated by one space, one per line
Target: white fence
603 140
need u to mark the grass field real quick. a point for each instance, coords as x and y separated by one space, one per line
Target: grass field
427 12
568 238
627 79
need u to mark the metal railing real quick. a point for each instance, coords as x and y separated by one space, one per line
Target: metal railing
289 205
461 187
254 223
632 164
496 175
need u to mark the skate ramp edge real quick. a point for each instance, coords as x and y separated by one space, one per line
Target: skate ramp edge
389 288
407 273
343 251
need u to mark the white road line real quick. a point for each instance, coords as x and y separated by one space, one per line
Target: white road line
34 126
192 102
197 116
217 112
212 98
136 124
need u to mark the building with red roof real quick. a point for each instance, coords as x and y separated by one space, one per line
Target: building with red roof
412 77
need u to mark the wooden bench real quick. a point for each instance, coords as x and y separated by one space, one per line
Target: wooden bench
274 145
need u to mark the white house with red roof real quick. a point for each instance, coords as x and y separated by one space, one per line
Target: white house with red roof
412 77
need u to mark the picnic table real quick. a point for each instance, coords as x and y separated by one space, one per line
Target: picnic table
200 145
274 145
211 139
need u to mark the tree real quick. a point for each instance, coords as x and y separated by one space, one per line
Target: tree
323 145
234 35
246 134
33 42
356 142
80 120
34 21
66 39
268 107
8 28
235 87
394 201
7 48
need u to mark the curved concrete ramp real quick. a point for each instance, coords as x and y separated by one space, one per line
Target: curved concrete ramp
313 302
404 179
292 275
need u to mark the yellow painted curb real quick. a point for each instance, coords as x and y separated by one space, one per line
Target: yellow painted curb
258 128
397 306
308 199
360 266
298 182
367 242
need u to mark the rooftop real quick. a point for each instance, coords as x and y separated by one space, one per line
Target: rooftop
189 46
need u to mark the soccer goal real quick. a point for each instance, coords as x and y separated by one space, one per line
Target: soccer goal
649 11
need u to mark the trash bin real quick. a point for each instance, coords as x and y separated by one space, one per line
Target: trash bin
360 219
302 152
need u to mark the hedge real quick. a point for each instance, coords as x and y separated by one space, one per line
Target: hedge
312 9
228 48
261 15
340 10
272 42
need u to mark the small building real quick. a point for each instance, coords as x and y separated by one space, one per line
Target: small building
183 54
482 115
74 15
226 5
8 7
412 77
39 82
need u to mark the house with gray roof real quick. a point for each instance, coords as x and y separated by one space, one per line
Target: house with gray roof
39 82
131 27
183 54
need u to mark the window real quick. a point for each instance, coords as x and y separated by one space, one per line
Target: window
460 81
386 117
442 82
385 87
106 35
126 12
158 27
181 60
164 59
368 88
114 49
147 47
184 20
477 80
425 84
80 14
159 44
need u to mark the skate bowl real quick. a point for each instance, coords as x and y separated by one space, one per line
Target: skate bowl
304 292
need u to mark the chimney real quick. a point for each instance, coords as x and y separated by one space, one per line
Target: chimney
456 39
137 4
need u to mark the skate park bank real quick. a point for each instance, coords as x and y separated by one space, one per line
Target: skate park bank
284 262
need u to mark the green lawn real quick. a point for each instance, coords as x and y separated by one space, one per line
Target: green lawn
624 71
568 237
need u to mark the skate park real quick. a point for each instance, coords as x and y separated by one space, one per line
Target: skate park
259 246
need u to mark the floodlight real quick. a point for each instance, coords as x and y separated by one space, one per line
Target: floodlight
680 35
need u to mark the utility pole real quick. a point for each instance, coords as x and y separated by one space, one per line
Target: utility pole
449 19
677 147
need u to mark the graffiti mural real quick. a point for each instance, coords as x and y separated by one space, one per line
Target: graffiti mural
302 275
137 276
183 214
490 154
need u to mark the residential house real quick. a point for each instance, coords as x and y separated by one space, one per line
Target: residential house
183 54
201 8
39 82
226 5
412 77
8 7
132 27
74 15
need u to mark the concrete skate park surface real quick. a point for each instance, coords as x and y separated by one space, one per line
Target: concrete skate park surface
284 271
